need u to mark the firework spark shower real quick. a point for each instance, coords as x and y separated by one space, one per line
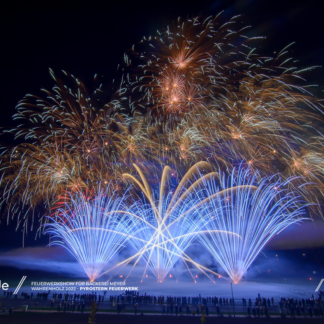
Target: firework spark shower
236 135
232 218
255 210
93 231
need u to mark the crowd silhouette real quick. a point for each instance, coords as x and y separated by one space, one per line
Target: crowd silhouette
180 305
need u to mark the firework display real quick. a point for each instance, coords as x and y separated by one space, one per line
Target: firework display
196 91
233 218
93 231
175 221
255 210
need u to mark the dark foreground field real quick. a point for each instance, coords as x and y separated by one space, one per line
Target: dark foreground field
54 318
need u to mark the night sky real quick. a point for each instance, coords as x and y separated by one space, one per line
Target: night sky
89 37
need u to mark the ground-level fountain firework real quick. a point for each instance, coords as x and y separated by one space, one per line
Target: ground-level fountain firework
232 217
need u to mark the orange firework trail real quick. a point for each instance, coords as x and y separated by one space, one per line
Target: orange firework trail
196 91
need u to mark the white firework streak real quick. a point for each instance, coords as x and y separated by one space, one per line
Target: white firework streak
20 284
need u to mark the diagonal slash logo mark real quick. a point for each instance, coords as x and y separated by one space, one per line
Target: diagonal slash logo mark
20 284
319 285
